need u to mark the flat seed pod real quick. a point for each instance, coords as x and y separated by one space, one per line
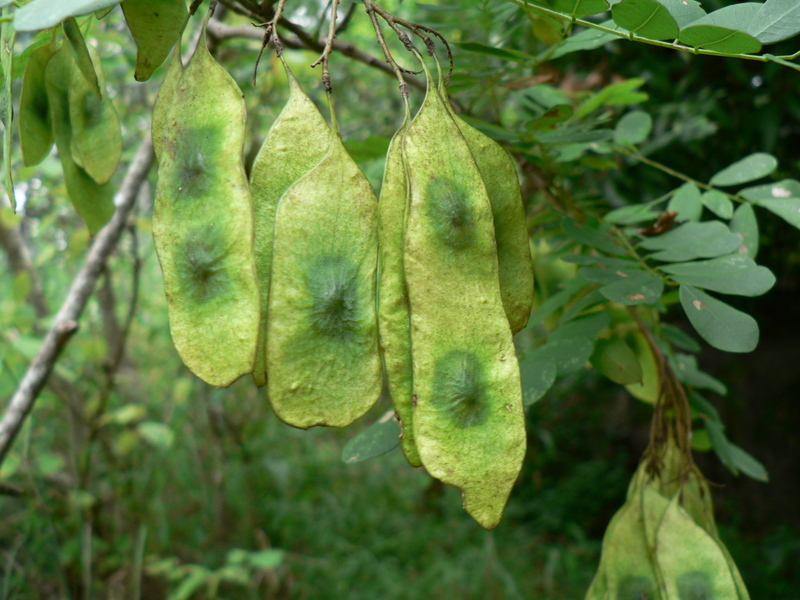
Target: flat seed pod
322 343
164 100
155 26
94 202
468 419
500 177
297 141
393 314
203 226
35 126
653 507
96 134
690 561
628 564
695 498
81 53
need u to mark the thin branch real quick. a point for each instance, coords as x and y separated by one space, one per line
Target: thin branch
270 33
398 70
221 31
65 323
324 58
419 30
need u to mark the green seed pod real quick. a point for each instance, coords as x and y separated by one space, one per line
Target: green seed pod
94 202
203 227
297 141
500 177
166 93
322 342
628 564
96 134
690 560
156 26
468 420
35 126
695 498
80 52
653 506
393 316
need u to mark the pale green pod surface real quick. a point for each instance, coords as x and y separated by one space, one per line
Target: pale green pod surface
598 590
164 100
35 126
653 506
297 141
510 226
468 419
96 134
696 500
690 561
203 225
630 569
155 26
393 316
94 202
322 347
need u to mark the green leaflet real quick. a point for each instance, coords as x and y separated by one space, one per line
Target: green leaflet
322 347
468 419
500 177
96 135
378 439
297 141
647 18
43 14
93 202
35 126
156 26
724 30
202 224
393 311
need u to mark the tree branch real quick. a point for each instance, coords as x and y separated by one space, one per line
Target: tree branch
221 31
65 323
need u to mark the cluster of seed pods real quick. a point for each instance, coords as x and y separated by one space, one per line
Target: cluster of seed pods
302 278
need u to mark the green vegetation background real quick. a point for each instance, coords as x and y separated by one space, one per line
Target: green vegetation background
163 486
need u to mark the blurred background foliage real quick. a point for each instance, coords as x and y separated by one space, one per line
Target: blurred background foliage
139 481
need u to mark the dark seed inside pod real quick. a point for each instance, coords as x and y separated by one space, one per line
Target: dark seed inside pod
695 585
460 388
331 283
202 267
448 210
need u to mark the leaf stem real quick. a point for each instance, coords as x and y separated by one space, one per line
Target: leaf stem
637 38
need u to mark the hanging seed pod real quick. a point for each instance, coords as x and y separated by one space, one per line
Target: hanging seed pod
468 418
35 126
500 177
202 224
393 315
92 201
322 342
691 562
297 141
96 143
627 563
164 100
156 26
